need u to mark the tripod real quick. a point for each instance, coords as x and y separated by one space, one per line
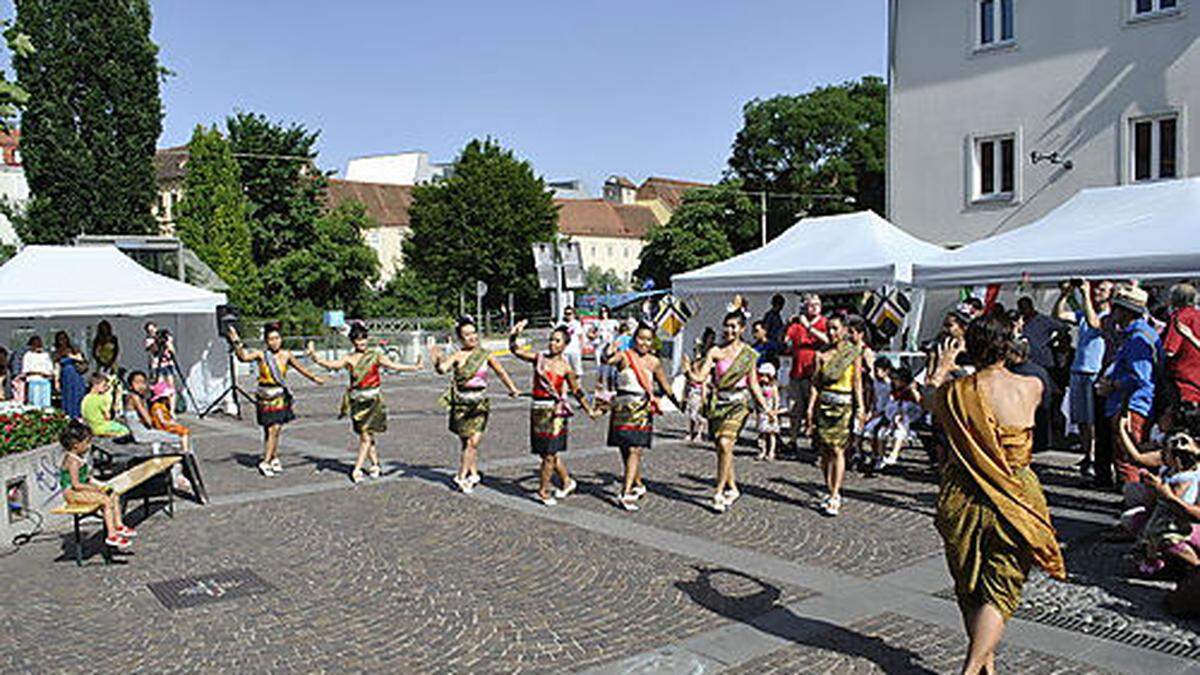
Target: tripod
232 390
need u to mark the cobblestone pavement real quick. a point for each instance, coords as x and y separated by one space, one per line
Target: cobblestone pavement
404 574
893 643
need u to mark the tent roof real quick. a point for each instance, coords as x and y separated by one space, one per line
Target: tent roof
1145 231
853 250
45 281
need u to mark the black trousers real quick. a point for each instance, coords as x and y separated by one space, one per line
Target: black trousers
1105 444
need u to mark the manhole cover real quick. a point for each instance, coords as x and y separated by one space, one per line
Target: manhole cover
206 589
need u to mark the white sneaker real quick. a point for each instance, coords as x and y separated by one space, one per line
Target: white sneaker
628 502
465 485
638 491
731 496
548 501
566 491
375 471
266 470
356 476
718 503
474 478
276 465
833 506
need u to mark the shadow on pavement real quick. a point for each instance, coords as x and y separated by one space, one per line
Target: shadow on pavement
762 610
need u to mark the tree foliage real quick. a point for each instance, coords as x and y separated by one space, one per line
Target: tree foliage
710 225
93 117
213 213
832 140
597 280
480 224
281 181
309 257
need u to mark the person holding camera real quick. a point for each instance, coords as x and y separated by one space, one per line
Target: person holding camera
160 352
1090 347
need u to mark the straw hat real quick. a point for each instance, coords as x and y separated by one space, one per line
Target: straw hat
1131 298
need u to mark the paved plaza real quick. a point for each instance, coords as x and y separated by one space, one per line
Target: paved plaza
405 574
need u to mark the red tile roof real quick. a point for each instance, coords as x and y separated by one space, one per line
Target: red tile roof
10 143
667 190
387 204
599 218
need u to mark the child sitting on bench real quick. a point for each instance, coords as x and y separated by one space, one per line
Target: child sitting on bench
79 488
97 411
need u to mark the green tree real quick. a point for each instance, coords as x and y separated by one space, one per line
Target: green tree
597 280
405 295
696 235
479 224
93 117
335 269
13 97
212 215
831 141
279 175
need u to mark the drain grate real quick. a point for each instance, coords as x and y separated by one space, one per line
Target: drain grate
206 589
1083 624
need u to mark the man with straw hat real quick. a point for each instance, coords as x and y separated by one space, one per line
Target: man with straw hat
1130 380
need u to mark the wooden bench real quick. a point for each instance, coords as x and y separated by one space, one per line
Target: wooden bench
120 485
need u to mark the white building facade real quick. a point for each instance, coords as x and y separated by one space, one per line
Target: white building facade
990 101
403 168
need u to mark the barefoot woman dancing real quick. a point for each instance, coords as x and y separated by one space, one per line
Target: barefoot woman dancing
363 401
272 399
631 426
467 397
991 512
552 378
731 366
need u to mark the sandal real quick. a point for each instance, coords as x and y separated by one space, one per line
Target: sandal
547 501
566 490
628 502
126 532
117 542
638 491
718 503
374 471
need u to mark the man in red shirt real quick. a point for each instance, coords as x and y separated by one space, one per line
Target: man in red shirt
805 336
1181 346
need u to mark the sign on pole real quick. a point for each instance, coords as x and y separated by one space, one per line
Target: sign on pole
546 266
572 261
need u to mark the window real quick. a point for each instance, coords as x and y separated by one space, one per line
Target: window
995 22
995 167
1155 147
1150 7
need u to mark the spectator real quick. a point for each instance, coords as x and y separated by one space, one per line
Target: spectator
768 419
877 398
79 488
773 320
1129 382
1088 361
573 352
1020 363
807 334
71 366
38 371
1182 354
903 408
764 345
160 350
972 308
105 348
137 414
97 411
1039 330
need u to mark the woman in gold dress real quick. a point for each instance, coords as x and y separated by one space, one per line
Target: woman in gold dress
991 512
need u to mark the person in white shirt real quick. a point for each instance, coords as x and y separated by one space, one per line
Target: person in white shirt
38 369
574 350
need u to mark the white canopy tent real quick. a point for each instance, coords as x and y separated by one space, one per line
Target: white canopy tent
1137 231
843 253
44 289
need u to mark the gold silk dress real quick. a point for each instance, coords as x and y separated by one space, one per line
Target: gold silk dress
991 511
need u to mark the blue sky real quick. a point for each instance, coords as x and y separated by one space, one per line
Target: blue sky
580 88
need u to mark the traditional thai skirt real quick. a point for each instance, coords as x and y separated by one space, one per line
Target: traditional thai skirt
469 412
273 405
835 411
368 412
631 424
727 413
547 428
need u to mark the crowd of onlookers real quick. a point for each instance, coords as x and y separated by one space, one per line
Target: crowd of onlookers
115 402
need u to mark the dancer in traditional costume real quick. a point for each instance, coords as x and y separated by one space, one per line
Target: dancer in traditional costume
548 428
836 397
363 400
466 399
991 512
631 424
272 398
732 369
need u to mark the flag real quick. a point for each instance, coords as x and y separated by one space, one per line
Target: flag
672 315
886 309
